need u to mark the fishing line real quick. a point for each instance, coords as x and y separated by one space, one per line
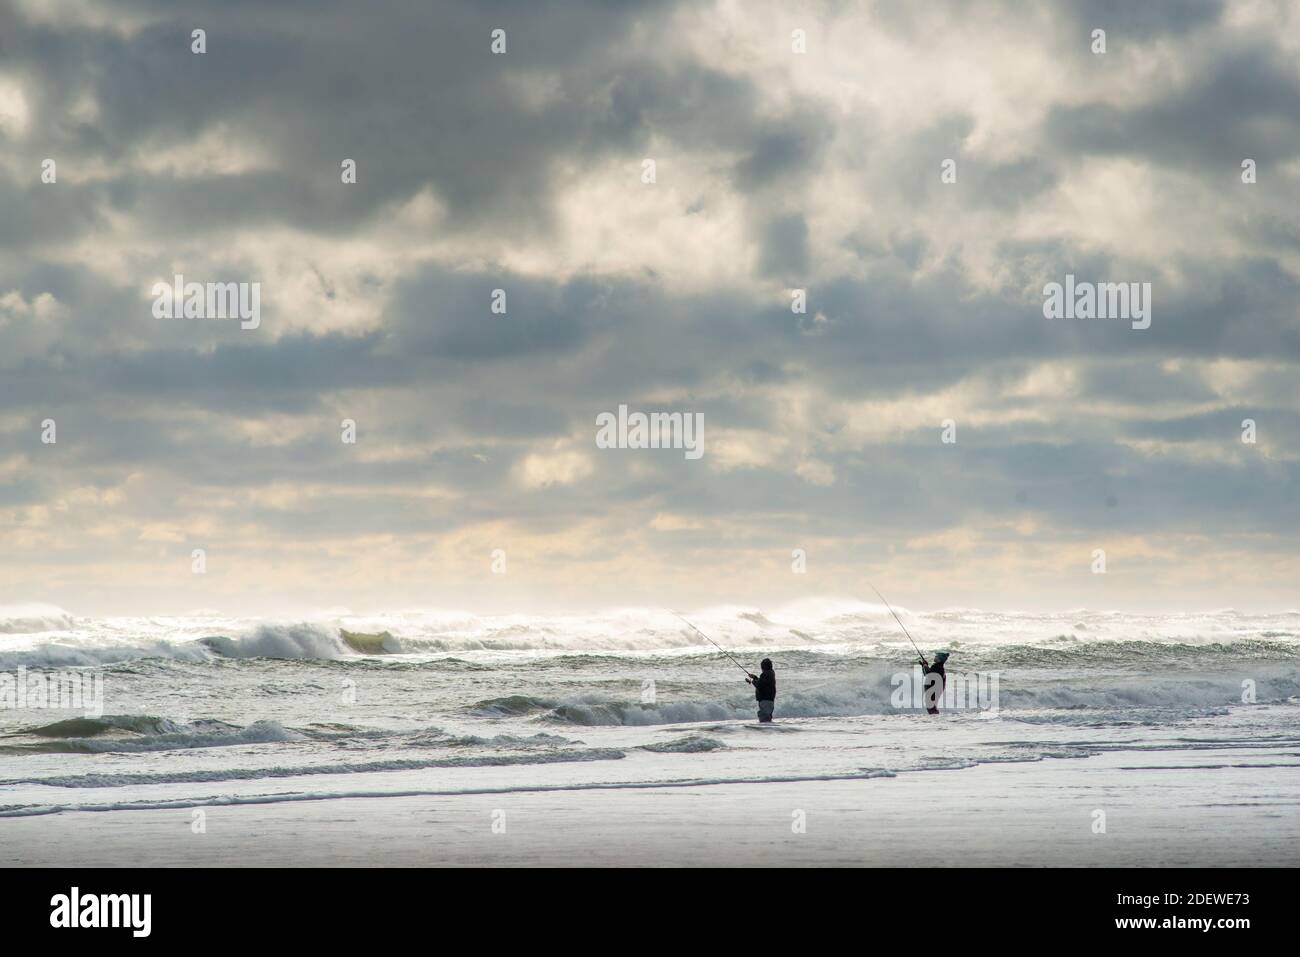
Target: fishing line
712 642
899 620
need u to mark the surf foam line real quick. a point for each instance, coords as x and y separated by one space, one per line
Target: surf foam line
227 800
1052 753
230 800
210 734
1174 745
363 767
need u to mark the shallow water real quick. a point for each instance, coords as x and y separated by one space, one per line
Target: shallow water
278 713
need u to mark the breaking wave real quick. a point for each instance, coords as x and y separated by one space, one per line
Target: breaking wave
46 636
1144 698
300 641
132 733
688 745
29 619
125 779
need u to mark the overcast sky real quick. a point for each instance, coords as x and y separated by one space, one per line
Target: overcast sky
774 170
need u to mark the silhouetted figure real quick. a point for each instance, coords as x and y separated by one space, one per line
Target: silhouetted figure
764 691
934 686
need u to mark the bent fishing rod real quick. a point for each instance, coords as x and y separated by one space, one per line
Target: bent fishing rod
712 642
900 622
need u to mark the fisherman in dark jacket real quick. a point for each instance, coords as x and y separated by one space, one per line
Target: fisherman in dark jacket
933 692
764 691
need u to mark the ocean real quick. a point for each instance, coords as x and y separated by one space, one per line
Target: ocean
622 737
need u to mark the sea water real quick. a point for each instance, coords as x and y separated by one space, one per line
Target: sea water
202 711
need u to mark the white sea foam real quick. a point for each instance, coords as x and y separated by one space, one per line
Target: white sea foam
305 640
44 636
204 709
29 619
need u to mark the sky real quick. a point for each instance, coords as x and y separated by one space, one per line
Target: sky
920 170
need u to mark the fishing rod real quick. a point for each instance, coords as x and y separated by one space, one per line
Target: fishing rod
712 642
900 622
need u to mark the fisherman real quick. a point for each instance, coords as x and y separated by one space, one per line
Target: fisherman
934 685
764 691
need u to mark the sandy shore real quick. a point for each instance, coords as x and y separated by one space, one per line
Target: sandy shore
1232 808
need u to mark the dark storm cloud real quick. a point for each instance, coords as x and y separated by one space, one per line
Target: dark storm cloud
415 99
997 185
792 148
31 214
448 395
445 316
1244 103
567 350
1212 426
1144 21
785 247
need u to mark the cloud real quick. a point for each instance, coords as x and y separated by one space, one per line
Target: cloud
523 173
